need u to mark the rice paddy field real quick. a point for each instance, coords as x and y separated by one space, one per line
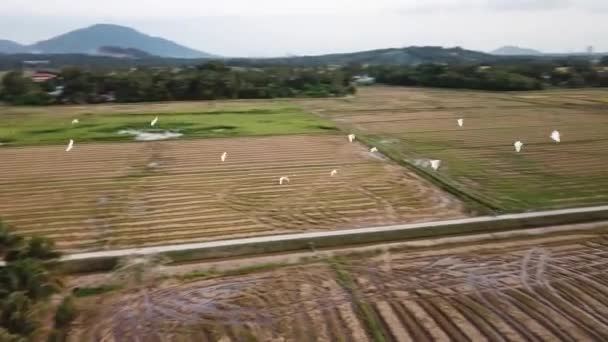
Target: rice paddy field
114 195
537 289
478 160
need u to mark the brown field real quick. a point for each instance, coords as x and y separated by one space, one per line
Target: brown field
542 289
479 159
118 195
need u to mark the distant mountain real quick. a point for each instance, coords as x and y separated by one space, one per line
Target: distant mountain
120 52
9 46
515 51
397 56
90 39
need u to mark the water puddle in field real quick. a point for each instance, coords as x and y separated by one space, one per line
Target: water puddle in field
150 136
420 162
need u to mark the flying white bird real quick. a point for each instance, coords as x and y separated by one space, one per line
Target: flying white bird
460 122
283 179
351 137
154 121
435 164
70 146
224 155
518 145
334 172
373 150
75 121
555 136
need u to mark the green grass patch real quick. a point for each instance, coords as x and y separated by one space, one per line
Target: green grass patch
46 128
364 310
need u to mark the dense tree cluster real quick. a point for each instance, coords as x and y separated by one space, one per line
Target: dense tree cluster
209 81
504 76
25 281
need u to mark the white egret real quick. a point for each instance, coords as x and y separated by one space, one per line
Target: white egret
153 123
518 145
334 172
283 179
556 136
75 121
351 137
460 122
435 164
373 150
224 155
70 146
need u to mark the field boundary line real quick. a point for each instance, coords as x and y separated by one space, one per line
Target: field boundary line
107 260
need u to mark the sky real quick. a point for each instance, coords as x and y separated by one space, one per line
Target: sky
262 28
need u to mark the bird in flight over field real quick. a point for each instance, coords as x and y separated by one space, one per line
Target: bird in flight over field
373 150
70 146
518 145
460 122
351 137
224 155
75 121
334 172
283 180
153 123
435 164
556 136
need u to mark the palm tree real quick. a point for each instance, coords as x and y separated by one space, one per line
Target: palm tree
37 248
29 276
15 315
8 240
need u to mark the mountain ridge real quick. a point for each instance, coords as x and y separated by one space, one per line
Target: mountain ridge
90 39
9 46
512 50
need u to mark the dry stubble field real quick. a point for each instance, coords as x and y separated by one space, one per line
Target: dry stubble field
416 125
118 195
540 289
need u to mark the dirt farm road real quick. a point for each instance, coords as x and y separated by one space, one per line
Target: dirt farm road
286 242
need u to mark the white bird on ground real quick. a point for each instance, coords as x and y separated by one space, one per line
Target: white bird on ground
435 164
460 122
518 145
75 121
70 146
373 150
153 123
283 179
334 172
351 137
224 155
556 136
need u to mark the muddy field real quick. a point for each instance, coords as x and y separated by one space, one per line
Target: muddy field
115 195
479 159
532 290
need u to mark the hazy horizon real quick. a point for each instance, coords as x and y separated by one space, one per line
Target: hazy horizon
276 28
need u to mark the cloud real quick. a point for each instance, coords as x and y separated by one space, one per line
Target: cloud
433 6
528 5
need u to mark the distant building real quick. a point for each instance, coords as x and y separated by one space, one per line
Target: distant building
364 80
43 76
110 97
36 63
57 92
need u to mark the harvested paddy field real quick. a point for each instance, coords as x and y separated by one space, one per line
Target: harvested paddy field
537 289
118 195
479 160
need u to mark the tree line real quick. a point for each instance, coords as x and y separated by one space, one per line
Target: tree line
509 75
208 81
214 80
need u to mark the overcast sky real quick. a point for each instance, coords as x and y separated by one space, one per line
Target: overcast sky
280 27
